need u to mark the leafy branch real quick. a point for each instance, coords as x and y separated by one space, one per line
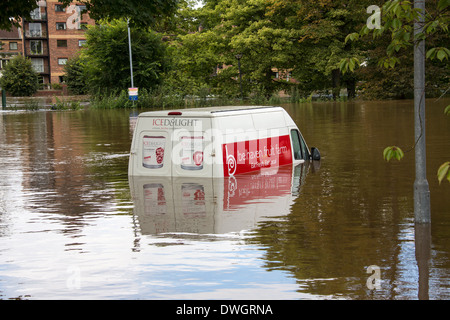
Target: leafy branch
443 171
398 18
393 152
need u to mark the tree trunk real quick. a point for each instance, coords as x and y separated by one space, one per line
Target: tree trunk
351 89
336 80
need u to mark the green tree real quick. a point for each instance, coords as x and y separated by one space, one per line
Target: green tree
305 37
193 62
388 54
322 27
242 28
397 21
76 77
19 78
141 13
11 11
107 57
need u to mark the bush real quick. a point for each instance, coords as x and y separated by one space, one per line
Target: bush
106 58
19 78
76 77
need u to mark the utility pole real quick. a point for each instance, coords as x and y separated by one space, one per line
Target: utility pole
421 188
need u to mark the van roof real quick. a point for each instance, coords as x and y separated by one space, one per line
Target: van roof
210 111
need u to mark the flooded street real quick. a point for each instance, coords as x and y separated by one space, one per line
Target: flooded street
73 226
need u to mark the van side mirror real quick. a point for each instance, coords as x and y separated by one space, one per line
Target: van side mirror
315 154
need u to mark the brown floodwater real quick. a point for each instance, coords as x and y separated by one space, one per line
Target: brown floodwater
74 226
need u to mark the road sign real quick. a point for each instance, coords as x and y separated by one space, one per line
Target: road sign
133 94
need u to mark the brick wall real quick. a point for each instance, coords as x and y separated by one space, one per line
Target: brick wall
8 51
64 42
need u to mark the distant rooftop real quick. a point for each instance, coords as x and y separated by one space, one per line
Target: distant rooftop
13 34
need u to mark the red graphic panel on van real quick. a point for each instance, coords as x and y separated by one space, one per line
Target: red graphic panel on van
252 155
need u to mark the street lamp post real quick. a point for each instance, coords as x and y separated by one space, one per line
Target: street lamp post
131 57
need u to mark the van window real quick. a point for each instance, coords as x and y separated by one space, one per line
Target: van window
298 146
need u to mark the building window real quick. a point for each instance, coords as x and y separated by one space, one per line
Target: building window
81 43
62 61
38 64
59 8
36 47
60 26
13 46
35 30
83 25
61 43
36 14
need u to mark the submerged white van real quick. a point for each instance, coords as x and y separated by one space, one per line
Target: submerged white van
215 206
216 142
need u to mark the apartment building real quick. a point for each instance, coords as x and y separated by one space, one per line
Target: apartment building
52 36
10 45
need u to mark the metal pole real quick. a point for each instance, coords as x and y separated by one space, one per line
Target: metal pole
421 188
131 57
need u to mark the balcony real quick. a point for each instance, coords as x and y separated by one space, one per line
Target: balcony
38 16
37 52
36 34
40 65
40 69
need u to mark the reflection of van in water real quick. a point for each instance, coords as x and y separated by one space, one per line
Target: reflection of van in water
215 206
216 142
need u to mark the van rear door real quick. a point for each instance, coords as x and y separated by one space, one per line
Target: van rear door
192 147
152 149
172 146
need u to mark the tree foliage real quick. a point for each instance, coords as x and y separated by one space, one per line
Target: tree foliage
444 172
106 57
19 78
397 20
313 41
323 26
310 39
393 152
12 10
76 75
271 36
141 13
